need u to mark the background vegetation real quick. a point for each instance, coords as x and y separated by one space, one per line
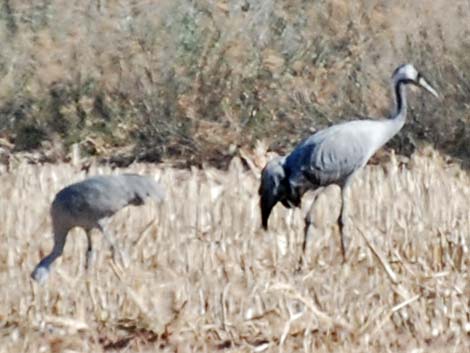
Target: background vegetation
196 80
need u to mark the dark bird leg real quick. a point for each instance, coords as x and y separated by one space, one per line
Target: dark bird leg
309 226
112 243
341 222
109 238
342 218
90 255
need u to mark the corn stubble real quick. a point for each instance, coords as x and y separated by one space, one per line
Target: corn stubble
204 276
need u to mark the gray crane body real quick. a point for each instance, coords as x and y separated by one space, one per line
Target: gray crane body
334 154
88 203
84 203
330 156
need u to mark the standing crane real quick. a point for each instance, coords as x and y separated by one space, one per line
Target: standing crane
89 204
334 155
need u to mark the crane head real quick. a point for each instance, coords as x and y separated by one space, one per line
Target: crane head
407 73
272 188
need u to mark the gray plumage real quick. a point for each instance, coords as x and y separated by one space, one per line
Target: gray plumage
88 204
333 155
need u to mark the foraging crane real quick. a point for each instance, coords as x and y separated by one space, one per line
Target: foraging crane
88 204
333 155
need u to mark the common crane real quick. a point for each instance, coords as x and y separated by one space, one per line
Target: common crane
334 155
88 204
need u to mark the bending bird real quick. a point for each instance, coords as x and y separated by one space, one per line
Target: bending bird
334 155
89 204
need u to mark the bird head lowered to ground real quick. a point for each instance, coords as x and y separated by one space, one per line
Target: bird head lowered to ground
271 189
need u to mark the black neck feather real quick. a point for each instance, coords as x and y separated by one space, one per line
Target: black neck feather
398 92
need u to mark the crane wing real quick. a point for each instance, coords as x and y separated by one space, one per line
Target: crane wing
331 155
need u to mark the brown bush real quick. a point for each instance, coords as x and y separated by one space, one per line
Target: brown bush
187 80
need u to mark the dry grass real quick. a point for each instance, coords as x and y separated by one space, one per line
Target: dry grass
205 278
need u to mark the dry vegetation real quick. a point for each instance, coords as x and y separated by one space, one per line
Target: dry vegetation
195 80
200 81
205 278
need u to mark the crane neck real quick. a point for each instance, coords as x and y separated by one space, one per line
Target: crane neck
398 116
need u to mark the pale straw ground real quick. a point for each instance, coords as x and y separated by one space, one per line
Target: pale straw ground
205 278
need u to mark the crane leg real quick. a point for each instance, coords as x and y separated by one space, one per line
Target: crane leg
307 234
112 244
90 254
41 271
309 226
342 221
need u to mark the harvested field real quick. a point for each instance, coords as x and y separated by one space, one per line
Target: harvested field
205 278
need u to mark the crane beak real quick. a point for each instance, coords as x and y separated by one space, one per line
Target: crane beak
423 83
